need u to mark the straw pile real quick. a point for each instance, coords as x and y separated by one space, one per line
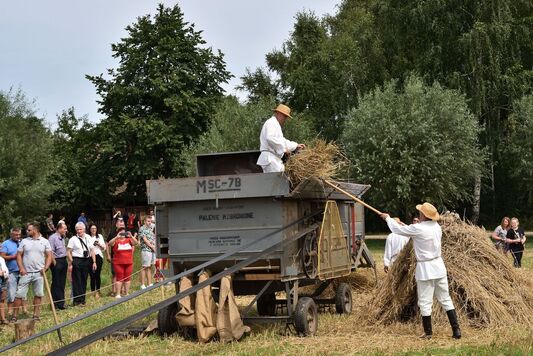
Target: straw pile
486 289
319 160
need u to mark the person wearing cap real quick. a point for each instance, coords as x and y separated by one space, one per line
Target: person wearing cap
430 273
272 143
393 246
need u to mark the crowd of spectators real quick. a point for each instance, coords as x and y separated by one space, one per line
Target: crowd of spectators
27 255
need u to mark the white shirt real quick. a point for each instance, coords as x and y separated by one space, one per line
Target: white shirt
394 244
77 247
273 145
152 225
98 250
427 237
3 267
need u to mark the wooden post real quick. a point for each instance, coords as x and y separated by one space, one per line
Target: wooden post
52 305
24 328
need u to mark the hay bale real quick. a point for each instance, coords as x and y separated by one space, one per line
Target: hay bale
486 289
319 160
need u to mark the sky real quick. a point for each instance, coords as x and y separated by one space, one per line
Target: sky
47 47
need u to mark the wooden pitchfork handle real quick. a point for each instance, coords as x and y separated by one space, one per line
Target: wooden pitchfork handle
43 272
352 197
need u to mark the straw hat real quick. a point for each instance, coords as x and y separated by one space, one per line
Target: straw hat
428 210
284 109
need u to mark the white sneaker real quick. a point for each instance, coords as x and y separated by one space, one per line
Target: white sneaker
151 284
118 296
143 286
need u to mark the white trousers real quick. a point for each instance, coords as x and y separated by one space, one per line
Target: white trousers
433 287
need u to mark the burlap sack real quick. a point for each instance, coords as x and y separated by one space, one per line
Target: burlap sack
205 311
229 322
185 315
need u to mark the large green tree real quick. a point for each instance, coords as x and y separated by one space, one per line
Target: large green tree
159 100
81 179
519 153
484 49
413 143
258 85
25 161
326 64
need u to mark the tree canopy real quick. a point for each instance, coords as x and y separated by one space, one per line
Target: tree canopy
81 179
25 161
482 49
159 100
450 79
519 150
413 143
326 64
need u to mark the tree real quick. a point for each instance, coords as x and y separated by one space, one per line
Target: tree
236 127
481 48
158 101
82 181
519 150
326 64
259 85
25 161
413 143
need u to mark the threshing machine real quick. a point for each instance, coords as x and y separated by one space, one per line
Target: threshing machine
318 234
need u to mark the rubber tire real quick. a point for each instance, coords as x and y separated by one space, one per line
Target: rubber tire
266 305
306 317
343 299
166 320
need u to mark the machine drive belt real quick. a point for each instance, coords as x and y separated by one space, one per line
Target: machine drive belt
157 285
89 339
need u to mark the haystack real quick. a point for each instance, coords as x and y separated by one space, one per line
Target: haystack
319 160
486 289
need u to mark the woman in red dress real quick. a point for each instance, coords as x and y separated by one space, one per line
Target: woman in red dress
123 247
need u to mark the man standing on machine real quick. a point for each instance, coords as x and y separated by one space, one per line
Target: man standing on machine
273 145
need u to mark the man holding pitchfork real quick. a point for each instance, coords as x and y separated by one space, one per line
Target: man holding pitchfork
431 275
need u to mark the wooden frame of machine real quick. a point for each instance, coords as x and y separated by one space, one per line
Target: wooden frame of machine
230 204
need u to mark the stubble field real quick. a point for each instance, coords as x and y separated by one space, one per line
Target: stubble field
346 334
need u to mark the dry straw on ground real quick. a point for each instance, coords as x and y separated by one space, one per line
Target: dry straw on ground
486 289
319 160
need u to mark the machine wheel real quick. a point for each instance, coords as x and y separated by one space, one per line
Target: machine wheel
266 304
310 255
306 317
343 299
166 320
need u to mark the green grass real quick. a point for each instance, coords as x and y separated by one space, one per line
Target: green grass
336 335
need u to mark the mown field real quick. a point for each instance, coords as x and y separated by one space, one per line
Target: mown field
347 334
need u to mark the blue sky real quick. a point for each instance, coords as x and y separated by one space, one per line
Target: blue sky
47 47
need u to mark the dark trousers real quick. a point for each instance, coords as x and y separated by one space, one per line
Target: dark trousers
95 275
59 279
517 256
80 272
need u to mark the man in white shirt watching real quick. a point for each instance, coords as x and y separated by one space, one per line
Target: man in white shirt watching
272 143
81 258
430 274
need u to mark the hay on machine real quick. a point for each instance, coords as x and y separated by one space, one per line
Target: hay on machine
485 287
320 160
